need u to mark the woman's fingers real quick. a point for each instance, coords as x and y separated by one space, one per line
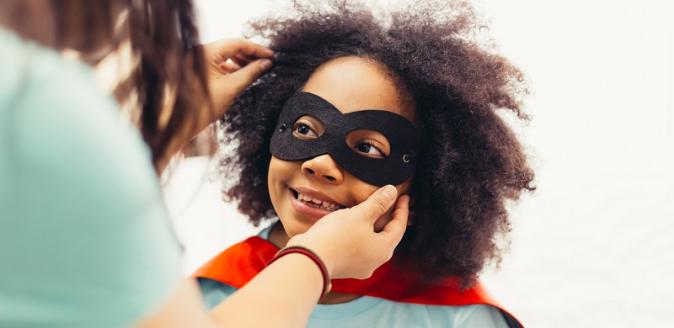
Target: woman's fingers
233 65
220 51
229 67
346 241
239 79
242 60
377 204
395 228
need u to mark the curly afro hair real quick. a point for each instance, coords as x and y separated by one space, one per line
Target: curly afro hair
470 161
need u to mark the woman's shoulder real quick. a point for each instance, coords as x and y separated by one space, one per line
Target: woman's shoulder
27 66
82 209
54 116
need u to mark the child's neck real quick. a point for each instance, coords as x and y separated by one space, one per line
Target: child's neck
278 237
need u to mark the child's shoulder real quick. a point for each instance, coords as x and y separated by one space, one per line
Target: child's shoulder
376 312
369 311
479 315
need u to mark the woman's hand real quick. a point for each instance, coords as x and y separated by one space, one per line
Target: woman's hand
346 239
232 65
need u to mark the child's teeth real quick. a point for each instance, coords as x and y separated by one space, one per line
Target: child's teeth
323 204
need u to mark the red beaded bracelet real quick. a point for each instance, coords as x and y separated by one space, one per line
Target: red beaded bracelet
310 254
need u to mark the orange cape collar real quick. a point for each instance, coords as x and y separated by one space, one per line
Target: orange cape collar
240 263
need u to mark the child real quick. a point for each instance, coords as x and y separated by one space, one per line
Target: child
352 104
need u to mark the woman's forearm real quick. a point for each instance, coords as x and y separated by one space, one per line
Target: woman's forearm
285 293
296 283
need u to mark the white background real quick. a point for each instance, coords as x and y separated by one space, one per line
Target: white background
594 246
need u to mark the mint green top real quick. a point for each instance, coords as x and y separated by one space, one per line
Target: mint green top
85 239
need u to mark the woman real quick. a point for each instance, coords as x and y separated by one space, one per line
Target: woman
84 238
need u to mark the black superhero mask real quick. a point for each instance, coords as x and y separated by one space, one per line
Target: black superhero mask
394 168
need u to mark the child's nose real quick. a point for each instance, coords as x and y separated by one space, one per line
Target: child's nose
323 167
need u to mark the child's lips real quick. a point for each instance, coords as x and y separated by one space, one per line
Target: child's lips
309 208
315 196
303 208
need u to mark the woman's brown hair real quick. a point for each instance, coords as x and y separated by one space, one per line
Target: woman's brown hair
168 77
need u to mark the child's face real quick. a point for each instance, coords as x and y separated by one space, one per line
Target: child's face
350 84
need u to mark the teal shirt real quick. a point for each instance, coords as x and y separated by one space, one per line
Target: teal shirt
85 239
371 312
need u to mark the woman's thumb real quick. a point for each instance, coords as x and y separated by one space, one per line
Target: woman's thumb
242 78
377 204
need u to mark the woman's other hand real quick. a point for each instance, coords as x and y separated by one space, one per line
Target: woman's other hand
232 65
346 239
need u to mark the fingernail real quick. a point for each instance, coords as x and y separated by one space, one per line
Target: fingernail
265 64
389 191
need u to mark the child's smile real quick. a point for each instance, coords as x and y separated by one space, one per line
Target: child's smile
312 202
304 191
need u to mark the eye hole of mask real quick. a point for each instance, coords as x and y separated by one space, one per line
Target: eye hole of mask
308 128
368 143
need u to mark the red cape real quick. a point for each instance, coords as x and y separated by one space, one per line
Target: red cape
238 264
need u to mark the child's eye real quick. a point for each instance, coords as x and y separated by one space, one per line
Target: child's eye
369 149
304 131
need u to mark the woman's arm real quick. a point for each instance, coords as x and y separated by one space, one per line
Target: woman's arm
285 293
232 65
